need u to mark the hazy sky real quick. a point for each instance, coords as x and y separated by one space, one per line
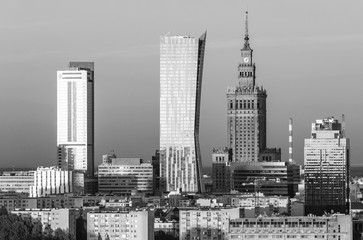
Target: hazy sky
308 56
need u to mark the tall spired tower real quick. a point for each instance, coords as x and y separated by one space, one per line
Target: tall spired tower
246 109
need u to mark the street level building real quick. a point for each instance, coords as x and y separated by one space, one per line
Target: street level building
75 121
326 159
128 225
181 70
16 181
51 180
246 110
124 176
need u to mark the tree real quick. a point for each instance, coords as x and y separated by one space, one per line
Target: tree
36 232
19 231
60 234
81 229
3 211
161 235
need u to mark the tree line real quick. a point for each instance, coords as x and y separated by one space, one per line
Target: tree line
13 227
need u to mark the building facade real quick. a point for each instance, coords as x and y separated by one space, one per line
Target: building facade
246 110
51 180
269 178
75 121
206 224
132 225
16 181
181 69
326 160
221 159
331 227
125 175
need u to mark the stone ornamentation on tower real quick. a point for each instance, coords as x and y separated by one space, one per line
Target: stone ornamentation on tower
246 110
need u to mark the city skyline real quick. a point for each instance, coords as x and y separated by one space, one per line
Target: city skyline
309 63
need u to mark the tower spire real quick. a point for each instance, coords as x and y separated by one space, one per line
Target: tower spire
246 44
246 27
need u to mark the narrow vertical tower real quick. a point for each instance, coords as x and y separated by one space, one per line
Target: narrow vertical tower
246 110
181 68
75 121
291 157
343 125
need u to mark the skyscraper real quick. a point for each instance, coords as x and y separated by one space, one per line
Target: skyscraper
326 159
181 68
75 119
246 110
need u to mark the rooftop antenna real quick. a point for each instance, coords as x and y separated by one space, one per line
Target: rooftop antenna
290 140
343 126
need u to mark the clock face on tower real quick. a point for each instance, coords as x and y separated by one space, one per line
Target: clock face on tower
246 60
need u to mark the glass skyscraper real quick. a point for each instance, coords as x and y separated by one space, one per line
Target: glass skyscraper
181 67
75 120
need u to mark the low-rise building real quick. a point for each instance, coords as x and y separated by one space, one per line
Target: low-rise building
51 180
64 219
311 227
13 202
170 227
206 224
16 181
124 176
207 202
278 204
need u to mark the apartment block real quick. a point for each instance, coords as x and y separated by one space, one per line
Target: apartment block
337 227
206 224
128 225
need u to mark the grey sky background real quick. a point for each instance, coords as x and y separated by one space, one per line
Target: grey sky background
308 56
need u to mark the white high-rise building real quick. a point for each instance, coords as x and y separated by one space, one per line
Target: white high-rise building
181 67
75 117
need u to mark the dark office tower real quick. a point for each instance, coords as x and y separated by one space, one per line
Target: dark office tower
326 158
75 121
246 110
155 162
221 159
181 68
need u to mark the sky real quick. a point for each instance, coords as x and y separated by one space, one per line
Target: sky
308 56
